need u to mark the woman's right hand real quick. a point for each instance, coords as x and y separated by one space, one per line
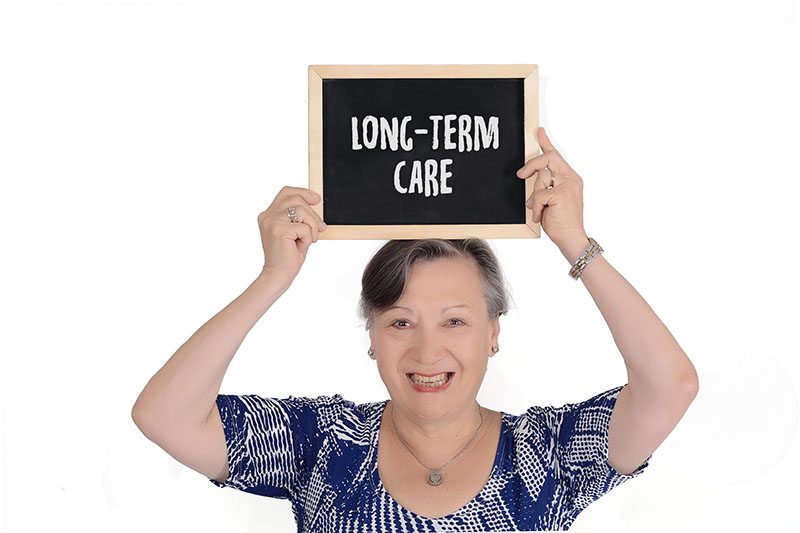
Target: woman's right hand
285 242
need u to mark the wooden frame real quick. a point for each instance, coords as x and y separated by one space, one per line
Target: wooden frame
316 73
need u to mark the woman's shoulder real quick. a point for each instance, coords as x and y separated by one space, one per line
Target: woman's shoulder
335 409
348 422
547 420
339 402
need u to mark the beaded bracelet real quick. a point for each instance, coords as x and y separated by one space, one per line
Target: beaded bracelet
585 258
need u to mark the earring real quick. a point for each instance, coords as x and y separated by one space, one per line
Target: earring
495 349
370 352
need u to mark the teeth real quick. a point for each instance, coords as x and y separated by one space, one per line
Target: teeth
433 381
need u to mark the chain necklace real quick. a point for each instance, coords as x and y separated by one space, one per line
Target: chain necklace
435 478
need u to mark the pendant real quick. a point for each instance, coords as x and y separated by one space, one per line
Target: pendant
435 478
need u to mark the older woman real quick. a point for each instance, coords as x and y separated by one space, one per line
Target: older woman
430 458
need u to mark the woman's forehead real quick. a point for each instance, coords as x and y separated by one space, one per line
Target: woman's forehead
443 269
439 286
432 305
455 275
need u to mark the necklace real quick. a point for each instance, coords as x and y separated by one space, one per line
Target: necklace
435 478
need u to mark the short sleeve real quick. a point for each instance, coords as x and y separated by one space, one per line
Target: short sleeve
577 437
271 443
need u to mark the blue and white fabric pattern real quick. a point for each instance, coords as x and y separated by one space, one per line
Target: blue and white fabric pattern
321 454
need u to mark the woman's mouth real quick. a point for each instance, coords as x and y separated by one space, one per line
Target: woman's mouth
430 383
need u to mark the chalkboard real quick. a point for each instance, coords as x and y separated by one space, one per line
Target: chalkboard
419 151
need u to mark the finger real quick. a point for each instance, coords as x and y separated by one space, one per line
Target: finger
542 182
539 200
308 213
308 195
544 141
302 232
544 179
306 217
311 220
535 165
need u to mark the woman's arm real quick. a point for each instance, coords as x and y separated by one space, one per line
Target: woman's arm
662 382
183 393
653 358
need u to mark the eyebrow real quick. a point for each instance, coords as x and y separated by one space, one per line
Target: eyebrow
443 310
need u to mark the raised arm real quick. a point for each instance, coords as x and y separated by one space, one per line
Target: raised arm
184 391
662 381
175 407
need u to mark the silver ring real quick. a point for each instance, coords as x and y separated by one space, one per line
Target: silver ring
292 214
552 177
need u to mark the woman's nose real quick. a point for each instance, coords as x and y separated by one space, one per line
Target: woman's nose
429 349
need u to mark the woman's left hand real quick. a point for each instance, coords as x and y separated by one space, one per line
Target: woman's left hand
559 209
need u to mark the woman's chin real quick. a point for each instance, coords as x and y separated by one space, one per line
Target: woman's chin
427 407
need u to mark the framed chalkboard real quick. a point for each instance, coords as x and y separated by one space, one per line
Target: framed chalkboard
421 151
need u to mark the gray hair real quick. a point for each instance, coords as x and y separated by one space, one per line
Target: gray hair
386 275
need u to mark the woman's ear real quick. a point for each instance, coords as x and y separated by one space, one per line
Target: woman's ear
371 351
495 332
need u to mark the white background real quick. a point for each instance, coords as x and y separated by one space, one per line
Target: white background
140 140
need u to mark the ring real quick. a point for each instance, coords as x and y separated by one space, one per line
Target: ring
552 177
292 214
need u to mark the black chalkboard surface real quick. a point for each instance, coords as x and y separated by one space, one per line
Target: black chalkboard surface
418 151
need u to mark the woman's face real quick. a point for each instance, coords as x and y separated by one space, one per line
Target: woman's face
439 328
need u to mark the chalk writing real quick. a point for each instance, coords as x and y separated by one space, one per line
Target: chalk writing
472 132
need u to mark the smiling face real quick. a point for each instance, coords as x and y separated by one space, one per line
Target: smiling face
438 326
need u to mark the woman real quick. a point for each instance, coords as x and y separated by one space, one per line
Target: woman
430 458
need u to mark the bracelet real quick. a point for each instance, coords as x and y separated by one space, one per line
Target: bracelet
585 259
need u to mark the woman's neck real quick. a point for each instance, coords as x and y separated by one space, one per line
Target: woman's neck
436 442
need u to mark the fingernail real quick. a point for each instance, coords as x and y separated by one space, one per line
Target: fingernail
323 225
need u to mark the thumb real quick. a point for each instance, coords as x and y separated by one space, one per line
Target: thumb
544 141
541 200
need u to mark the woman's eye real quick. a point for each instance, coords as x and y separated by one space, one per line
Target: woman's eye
400 322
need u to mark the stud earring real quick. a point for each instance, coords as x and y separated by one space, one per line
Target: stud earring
371 352
495 349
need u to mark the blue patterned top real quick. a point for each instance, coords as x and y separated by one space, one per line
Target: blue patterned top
321 454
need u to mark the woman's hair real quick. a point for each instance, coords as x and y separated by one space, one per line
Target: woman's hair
386 275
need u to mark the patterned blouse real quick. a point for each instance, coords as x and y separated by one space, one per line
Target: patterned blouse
321 454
